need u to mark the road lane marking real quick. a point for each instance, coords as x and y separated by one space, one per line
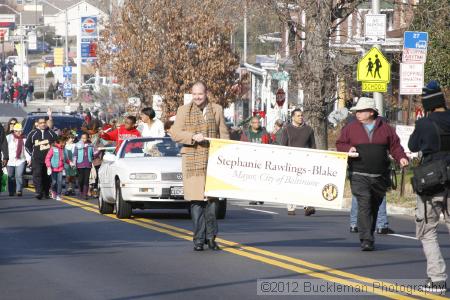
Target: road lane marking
255 257
263 211
318 271
403 236
187 235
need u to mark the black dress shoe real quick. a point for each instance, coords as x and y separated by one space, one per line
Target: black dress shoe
385 230
198 247
353 229
309 210
38 196
213 245
367 246
11 194
19 194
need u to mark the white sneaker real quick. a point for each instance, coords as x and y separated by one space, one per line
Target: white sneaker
58 198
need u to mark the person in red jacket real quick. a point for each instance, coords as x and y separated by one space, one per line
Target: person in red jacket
372 138
126 131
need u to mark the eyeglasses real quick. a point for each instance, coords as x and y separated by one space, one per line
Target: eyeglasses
12 123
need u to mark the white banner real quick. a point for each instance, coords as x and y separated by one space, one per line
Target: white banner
404 132
270 173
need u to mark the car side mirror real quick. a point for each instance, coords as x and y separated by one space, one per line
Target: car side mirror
109 157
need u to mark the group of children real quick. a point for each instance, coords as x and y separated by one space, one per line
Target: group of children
73 158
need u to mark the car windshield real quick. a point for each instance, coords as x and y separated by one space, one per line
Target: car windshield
150 147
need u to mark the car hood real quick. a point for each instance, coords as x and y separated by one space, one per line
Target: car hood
151 164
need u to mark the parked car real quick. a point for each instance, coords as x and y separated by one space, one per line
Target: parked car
60 121
92 85
49 61
144 173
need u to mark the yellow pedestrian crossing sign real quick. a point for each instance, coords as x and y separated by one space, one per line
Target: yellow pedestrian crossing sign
374 67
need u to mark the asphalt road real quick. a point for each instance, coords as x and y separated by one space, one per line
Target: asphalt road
66 250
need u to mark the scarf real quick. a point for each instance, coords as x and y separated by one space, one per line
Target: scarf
196 122
19 146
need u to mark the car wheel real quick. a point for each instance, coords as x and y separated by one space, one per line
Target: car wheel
221 209
123 208
103 206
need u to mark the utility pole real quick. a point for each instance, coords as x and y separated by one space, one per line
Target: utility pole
378 97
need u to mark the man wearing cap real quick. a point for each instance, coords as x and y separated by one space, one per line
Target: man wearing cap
372 138
434 145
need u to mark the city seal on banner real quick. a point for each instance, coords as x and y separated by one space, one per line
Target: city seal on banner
330 192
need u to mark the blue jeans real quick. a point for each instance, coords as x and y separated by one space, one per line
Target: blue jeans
382 221
57 178
15 178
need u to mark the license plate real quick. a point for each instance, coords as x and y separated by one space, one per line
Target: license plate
176 191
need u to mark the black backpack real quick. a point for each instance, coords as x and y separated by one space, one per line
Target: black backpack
433 177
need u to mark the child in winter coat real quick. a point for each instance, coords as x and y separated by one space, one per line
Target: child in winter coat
83 155
54 161
71 172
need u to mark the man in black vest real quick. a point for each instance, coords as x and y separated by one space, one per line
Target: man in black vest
37 145
434 144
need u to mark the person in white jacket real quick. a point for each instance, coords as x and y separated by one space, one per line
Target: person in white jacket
18 158
150 126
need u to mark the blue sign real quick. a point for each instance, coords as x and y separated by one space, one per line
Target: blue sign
85 49
415 40
67 93
67 71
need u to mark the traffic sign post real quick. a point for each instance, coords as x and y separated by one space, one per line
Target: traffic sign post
380 87
67 85
374 67
67 72
415 40
375 28
67 93
411 79
418 56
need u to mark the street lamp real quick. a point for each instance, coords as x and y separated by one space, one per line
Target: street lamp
22 48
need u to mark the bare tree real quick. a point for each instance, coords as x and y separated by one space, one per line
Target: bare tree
317 65
163 46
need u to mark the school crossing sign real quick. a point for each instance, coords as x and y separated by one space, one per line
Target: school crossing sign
374 70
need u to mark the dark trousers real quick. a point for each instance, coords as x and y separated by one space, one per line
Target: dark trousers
97 168
40 178
203 214
369 192
83 180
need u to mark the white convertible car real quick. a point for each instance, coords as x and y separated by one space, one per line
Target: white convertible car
144 173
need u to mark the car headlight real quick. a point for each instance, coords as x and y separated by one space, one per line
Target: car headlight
143 176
